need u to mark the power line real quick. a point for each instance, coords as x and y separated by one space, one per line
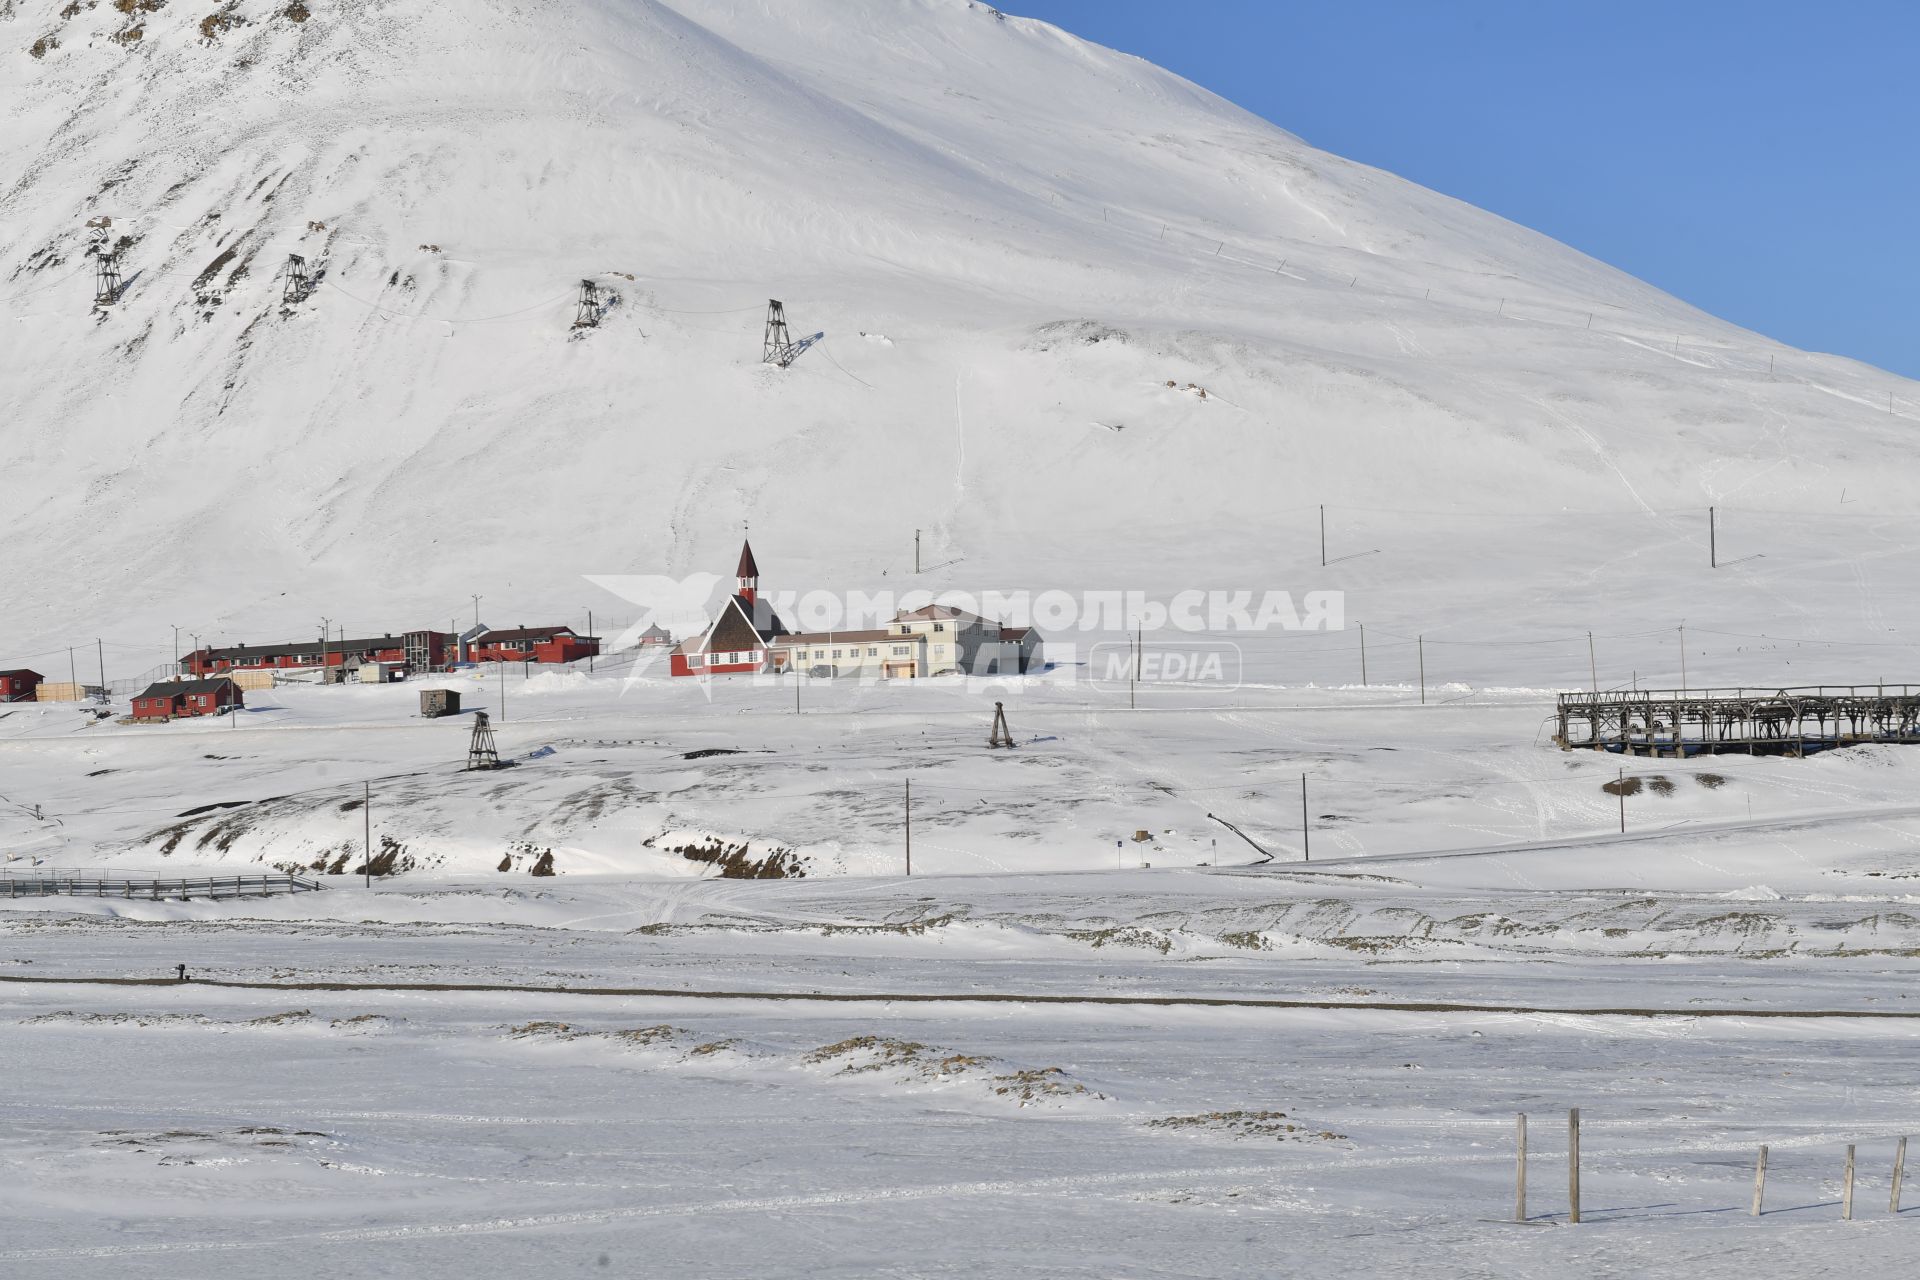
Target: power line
836 364
409 315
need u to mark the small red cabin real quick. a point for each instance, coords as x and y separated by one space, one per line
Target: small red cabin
172 700
19 686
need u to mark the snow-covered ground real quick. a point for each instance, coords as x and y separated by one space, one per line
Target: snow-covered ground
370 1124
1056 1049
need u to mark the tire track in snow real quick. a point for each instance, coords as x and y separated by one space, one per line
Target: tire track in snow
595 1217
990 997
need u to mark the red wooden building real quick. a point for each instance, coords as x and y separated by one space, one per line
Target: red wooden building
532 644
176 699
414 650
738 639
19 686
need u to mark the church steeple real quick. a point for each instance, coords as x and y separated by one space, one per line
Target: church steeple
748 574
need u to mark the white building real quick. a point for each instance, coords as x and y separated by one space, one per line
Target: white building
931 641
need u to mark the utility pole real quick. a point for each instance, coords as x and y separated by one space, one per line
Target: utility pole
909 825
503 692
596 643
1363 653
176 651
1323 535
326 626
100 650
366 808
1423 669
1620 786
1306 828
1683 666
916 551
476 611
1713 540
1593 665
1133 676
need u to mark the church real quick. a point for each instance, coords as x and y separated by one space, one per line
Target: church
749 637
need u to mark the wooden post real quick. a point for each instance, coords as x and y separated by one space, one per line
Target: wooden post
1846 1189
1621 787
1713 540
1520 1170
909 824
1759 1181
1423 670
1573 1165
366 807
1363 653
1899 1167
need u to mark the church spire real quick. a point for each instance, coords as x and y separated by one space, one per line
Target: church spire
748 574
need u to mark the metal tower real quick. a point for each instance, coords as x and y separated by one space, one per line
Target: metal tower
778 346
481 753
296 285
587 314
106 275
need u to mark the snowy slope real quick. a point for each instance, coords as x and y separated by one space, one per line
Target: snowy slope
920 170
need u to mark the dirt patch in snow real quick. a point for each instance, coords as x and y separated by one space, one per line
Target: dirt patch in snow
1247 1124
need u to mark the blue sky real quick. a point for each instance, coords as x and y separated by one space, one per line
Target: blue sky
1760 159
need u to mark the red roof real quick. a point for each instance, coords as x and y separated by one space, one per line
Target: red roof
747 569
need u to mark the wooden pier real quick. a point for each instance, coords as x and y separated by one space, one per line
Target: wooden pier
1686 722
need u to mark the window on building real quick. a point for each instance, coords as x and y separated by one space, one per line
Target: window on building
873 651
902 650
836 653
939 626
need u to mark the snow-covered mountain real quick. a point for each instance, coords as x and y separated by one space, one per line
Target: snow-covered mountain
1025 252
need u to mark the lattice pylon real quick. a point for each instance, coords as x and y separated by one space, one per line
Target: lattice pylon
481 753
296 285
106 277
587 314
777 347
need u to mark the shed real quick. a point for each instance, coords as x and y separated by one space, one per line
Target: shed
19 686
170 699
435 703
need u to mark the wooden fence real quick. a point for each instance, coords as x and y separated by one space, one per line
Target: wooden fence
100 884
